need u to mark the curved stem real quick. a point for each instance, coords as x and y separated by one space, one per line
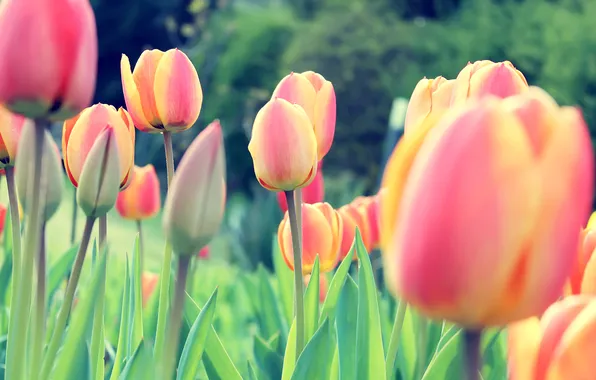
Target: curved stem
39 324
296 230
141 245
472 354
97 333
394 340
71 287
15 223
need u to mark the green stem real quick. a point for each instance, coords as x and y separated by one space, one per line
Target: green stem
64 312
141 245
422 337
39 324
296 230
97 334
21 309
394 340
472 356
173 338
75 209
166 266
15 221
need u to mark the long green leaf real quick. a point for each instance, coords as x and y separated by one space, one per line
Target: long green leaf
140 365
123 336
315 360
252 373
5 276
337 283
270 315
290 354
285 282
311 303
268 359
406 353
60 269
137 298
445 364
347 312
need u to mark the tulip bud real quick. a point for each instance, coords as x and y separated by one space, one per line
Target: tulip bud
51 172
583 276
316 96
350 221
194 207
368 208
100 176
283 147
49 57
204 253
359 218
163 93
141 199
500 238
321 234
149 281
311 194
11 126
430 95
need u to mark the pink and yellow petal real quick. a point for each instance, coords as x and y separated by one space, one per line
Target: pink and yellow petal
317 80
523 341
133 98
144 75
324 118
297 89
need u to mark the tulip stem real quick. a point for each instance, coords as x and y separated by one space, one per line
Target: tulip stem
171 349
75 209
141 245
394 340
15 230
71 287
472 353
422 344
39 324
296 230
20 310
97 334
167 143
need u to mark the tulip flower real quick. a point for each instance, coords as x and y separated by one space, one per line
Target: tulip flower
316 96
141 199
163 93
311 194
49 57
149 281
482 78
354 217
323 286
583 276
368 208
321 234
430 95
194 207
557 346
3 210
11 126
204 253
80 133
497 242
283 147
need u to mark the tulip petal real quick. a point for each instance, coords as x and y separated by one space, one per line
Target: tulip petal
133 98
523 341
297 89
144 75
324 118
501 80
461 88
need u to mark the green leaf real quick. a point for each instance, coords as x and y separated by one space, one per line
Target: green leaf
252 373
137 298
446 364
5 276
446 337
140 365
269 313
315 360
123 334
407 351
195 341
60 269
347 313
267 357
311 303
290 354
285 281
337 283
334 371
370 362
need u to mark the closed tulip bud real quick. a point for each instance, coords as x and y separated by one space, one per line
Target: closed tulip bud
49 57
316 96
149 281
360 217
558 345
79 135
52 180
499 239
11 126
321 234
430 95
283 147
311 194
500 79
141 199
100 176
194 207
583 276
323 286
163 93
368 208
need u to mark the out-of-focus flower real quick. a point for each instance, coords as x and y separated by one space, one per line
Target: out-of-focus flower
11 125
481 78
163 93
149 281
283 146
141 199
499 238
204 253
311 194
316 96
194 207
368 208
321 235
429 96
583 276
352 217
79 135
323 286
49 57
3 210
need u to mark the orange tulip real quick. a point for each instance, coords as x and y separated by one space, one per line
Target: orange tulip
369 209
583 276
49 57
321 228
323 286
355 216
311 194
480 232
558 346
316 96
482 78
11 126
430 95
283 146
141 199
149 281
80 132
163 93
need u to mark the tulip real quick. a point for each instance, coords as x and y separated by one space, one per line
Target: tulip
583 276
141 199
498 240
368 209
149 281
283 147
323 286
354 217
49 57
3 210
194 207
80 133
429 96
321 229
11 126
557 346
163 93
482 78
316 96
311 194
204 252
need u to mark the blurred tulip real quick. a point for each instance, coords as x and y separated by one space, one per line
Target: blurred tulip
204 253
311 194
194 207
11 126
357 218
3 210
430 95
49 57
368 209
321 235
498 239
163 93
348 232
500 79
79 135
283 147
558 346
141 199
583 276
323 286
316 96
149 282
